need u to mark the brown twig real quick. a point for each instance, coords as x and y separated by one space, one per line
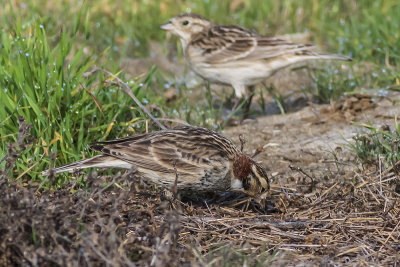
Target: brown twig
259 150
242 142
126 89
179 121
294 168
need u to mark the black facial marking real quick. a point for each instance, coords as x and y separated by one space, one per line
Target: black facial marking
205 160
246 183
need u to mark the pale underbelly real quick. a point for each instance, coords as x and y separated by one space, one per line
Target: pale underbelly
206 182
227 74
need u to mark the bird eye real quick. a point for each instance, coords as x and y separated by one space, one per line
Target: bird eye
186 22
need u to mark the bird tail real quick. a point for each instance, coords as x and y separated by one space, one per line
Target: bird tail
101 161
319 55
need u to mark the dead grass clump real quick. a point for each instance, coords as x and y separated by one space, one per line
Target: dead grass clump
14 150
340 222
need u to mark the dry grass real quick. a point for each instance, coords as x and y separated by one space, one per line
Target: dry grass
115 225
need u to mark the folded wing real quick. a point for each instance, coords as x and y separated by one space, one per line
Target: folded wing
223 44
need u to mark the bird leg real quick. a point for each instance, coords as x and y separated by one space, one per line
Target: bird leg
174 188
236 105
248 102
134 178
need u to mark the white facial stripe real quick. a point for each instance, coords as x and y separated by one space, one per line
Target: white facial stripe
261 179
236 184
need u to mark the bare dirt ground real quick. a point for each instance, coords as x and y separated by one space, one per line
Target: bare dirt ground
316 137
325 208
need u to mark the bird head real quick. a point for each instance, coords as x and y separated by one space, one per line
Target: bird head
186 25
250 178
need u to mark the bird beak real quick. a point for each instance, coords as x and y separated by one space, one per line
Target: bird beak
262 202
167 27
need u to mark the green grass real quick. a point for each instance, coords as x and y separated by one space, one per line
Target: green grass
46 47
45 85
378 145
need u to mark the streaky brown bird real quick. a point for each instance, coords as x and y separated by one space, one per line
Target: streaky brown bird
203 160
236 56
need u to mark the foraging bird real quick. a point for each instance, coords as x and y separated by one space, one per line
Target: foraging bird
203 160
234 55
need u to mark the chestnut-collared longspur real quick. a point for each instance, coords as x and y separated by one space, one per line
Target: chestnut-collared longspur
202 159
234 55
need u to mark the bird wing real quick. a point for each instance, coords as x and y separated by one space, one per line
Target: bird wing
163 152
223 44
